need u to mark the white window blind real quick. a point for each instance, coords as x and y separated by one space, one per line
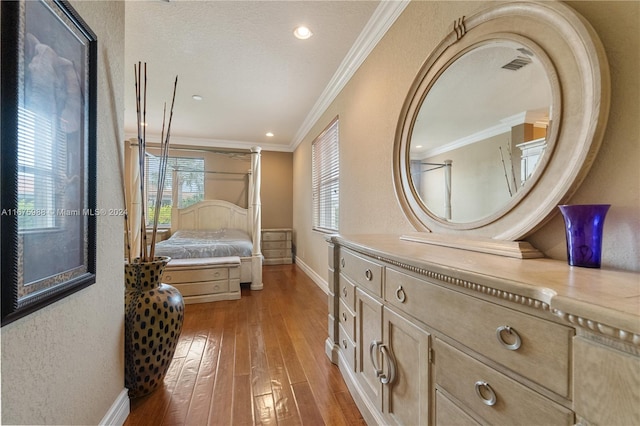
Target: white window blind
41 158
326 179
190 173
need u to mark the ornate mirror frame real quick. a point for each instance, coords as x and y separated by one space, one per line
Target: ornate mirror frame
578 70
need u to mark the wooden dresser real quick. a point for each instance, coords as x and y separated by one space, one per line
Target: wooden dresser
433 335
276 246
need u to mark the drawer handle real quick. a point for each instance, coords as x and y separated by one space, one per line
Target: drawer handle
344 317
485 393
401 295
342 262
344 343
368 274
517 342
344 291
391 366
373 347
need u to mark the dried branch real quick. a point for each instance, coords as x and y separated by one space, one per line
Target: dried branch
147 254
504 168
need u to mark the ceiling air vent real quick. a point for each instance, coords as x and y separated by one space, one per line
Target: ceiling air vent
517 63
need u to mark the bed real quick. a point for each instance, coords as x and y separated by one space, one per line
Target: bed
189 244
215 245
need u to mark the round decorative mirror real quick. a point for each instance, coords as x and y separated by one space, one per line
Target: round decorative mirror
502 122
466 170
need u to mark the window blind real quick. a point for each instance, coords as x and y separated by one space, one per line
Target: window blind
326 179
41 156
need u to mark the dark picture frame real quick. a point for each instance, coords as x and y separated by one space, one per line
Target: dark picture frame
48 155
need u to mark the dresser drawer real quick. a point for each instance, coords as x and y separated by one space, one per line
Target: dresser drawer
276 245
274 235
347 292
544 351
271 254
347 347
361 271
492 396
197 289
347 319
448 413
195 275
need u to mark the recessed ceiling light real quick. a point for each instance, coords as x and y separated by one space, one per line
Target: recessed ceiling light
269 134
302 32
197 97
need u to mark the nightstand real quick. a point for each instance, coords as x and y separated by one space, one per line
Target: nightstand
276 246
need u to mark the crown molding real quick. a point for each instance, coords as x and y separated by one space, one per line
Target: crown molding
383 17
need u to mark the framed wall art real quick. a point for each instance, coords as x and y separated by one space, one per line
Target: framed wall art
48 155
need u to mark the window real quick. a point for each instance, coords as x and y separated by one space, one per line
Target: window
41 168
190 173
326 179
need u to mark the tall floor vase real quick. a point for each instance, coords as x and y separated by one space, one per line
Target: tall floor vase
153 321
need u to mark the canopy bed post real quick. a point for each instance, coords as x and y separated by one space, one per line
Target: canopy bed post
256 217
447 189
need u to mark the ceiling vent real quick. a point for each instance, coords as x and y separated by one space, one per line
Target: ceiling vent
517 63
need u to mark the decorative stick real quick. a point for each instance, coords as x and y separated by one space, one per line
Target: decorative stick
163 166
158 189
142 160
144 171
140 152
513 173
504 167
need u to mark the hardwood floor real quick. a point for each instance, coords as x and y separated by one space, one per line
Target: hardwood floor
255 361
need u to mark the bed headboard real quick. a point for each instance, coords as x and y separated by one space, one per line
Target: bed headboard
210 215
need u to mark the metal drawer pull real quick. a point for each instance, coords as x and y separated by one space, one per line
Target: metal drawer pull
342 262
485 393
344 343
401 295
344 291
517 342
344 317
373 347
391 366
368 274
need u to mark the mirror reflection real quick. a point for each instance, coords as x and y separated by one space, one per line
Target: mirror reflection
480 131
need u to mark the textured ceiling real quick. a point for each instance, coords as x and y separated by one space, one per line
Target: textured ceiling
242 58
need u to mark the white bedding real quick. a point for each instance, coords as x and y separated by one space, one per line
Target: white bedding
197 244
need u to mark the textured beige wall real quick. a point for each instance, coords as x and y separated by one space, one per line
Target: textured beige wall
276 184
369 108
64 364
277 189
228 187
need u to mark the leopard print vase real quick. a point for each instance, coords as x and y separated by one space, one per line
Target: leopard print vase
153 321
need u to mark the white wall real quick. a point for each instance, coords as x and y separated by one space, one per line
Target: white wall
64 364
369 108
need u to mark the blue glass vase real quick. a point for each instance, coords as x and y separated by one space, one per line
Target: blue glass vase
583 226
